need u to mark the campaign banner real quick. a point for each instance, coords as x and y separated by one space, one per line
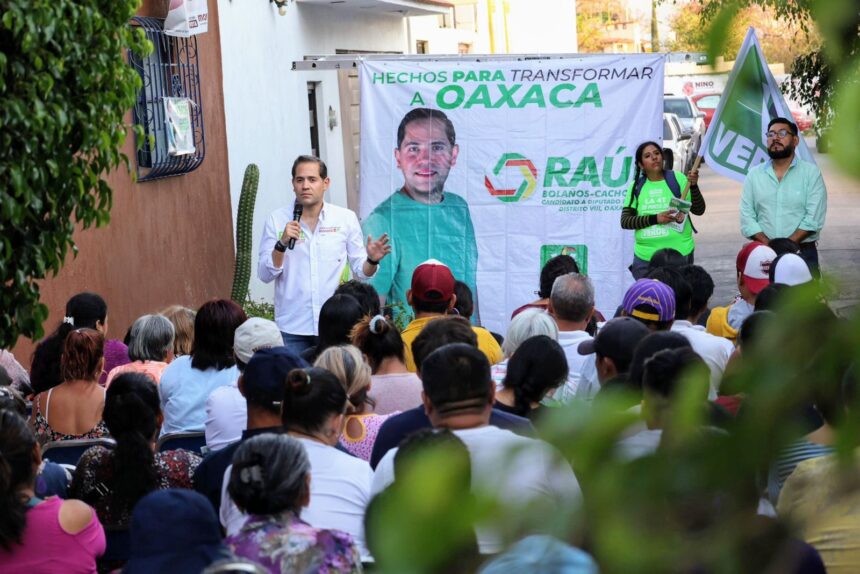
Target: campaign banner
495 167
735 140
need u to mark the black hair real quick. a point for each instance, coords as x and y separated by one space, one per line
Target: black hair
682 289
769 298
667 257
465 306
310 159
11 399
456 378
131 414
17 442
701 287
269 475
664 371
214 329
83 310
338 316
311 397
637 171
364 293
538 365
552 270
378 339
781 245
425 114
647 347
779 120
438 307
5 379
752 326
440 332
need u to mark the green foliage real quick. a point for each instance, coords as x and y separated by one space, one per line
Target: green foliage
64 90
244 224
261 309
691 505
824 77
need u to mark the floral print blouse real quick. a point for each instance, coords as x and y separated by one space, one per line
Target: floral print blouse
283 543
91 481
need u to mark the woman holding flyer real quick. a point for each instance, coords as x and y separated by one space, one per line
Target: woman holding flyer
657 207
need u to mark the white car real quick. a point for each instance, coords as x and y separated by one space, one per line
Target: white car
691 119
678 142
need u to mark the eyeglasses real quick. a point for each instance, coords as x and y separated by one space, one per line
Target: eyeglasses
780 134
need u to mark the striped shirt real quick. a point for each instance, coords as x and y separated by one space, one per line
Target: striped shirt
788 460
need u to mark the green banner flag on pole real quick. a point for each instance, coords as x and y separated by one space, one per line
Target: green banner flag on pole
735 140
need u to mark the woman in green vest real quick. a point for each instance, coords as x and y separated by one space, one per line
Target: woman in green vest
656 207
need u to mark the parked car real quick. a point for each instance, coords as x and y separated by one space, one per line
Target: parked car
692 120
707 104
678 153
803 120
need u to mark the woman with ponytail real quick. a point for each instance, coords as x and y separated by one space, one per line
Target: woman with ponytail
536 369
74 533
394 387
84 310
113 480
362 424
647 208
73 409
271 482
313 410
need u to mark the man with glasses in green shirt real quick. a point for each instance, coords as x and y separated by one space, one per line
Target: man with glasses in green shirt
785 197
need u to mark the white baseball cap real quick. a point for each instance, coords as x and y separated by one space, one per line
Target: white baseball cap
255 334
790 269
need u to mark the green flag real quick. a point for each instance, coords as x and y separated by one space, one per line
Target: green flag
735 140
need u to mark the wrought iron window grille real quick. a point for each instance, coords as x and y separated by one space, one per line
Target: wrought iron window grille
170 71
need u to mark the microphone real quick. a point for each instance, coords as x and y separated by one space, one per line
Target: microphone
297 215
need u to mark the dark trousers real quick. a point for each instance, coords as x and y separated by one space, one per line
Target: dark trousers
809 253
640 267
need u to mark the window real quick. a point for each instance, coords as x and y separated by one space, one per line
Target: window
421 47
678 106
170 71
667 131
708 102
466 17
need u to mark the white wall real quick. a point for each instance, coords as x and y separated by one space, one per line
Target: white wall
266 103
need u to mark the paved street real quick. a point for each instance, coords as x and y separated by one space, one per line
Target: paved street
719 236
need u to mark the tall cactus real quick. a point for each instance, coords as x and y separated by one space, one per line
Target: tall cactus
244 223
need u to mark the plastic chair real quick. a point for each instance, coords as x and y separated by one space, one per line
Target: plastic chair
68 452
192 441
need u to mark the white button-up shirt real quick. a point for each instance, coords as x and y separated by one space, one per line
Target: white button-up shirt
312 270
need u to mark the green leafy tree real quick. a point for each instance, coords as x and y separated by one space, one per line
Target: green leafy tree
827 76
592 17
64 90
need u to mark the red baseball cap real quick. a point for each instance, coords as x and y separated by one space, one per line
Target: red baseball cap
432 282
753 263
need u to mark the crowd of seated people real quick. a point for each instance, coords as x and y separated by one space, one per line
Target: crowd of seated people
296 460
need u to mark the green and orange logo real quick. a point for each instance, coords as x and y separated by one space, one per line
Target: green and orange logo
526 187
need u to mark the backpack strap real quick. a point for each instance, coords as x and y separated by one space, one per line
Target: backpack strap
672 182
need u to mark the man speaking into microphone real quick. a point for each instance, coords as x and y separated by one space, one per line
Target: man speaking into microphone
304 250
